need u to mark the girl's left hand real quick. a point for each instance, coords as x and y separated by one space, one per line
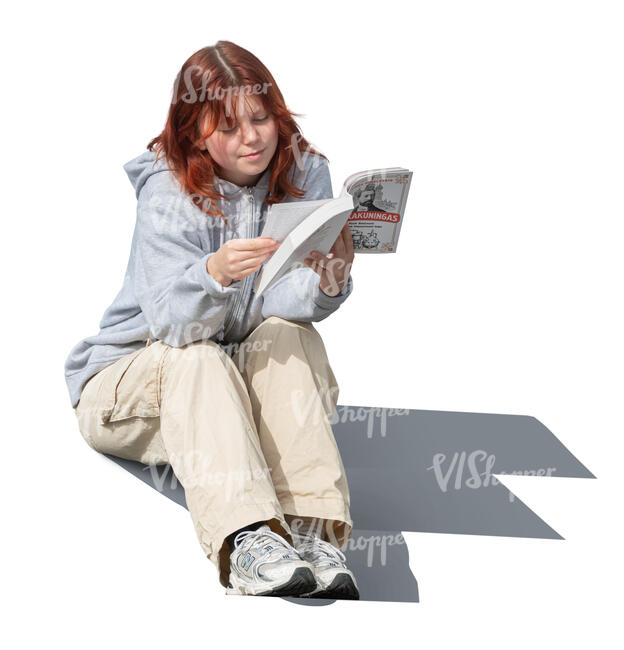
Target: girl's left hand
335 268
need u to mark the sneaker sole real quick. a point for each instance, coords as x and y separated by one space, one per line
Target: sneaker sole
301 581
341 588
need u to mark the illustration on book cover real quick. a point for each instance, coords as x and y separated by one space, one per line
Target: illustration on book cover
376 218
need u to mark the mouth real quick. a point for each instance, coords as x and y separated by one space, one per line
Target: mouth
253 155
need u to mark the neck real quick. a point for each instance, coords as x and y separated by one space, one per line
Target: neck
242 180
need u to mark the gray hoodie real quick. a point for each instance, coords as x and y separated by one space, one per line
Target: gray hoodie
168 294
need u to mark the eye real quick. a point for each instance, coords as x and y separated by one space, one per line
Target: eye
261 119
229 130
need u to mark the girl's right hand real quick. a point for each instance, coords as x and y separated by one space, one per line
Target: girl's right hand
238 258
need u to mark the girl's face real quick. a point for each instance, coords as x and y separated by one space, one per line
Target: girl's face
254 131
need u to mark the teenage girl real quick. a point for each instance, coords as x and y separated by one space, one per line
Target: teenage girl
191 368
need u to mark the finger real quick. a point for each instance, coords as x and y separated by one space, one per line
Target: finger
240 257
319 259
311 262
255 243
348 239
259 242
331 266
250 268
251 259
339 245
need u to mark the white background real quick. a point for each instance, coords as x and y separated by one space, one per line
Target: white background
505 296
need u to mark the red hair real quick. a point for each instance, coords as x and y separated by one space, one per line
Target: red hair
215 81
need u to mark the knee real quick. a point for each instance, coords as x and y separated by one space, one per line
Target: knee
294 326
278 336
277 331
277 321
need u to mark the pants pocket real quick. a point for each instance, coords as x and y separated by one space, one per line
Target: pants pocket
131 387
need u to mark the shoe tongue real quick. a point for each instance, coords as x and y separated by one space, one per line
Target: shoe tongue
300 538
268 544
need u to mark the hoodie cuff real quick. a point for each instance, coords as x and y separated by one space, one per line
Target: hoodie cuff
212 287
329 302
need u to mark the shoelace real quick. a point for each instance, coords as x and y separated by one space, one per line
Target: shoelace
248 539
318 550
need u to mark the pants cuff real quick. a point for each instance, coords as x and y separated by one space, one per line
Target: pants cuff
338 523
270 512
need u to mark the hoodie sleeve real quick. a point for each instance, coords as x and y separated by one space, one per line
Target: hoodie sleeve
297 295
181 301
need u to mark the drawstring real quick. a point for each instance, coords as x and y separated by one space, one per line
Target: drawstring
149 342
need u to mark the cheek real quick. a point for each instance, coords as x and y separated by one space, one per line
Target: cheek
220 149
270 134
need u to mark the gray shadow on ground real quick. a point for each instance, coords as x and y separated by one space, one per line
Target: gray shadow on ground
423 471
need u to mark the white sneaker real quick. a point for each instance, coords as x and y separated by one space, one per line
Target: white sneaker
264 564
333 579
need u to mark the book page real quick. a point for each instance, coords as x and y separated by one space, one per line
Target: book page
322 239
283 218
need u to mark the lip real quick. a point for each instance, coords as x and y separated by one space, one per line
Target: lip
253 155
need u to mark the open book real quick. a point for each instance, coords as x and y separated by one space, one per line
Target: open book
372 202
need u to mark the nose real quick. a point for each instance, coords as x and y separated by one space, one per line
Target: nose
249 133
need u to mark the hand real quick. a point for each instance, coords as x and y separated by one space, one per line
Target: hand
335 268
238 258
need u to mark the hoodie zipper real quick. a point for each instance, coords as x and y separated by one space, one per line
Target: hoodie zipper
241 297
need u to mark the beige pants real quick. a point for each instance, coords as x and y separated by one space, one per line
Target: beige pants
248 437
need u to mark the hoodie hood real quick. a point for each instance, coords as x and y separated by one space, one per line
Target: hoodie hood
139 169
